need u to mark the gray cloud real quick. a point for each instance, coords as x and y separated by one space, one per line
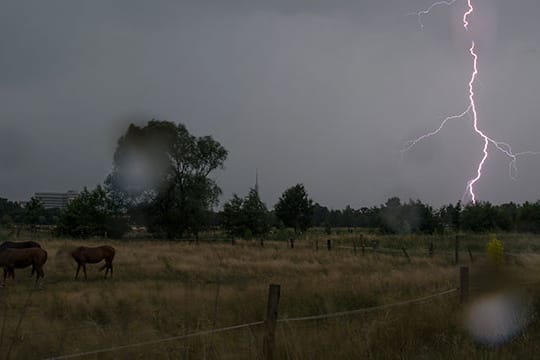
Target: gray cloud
319 92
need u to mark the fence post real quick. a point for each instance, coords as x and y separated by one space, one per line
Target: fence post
262 242
431 248
233 241
292 242
463 284
470 253
329 244
456 251
406 255
271 320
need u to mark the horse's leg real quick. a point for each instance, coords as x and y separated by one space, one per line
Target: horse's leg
110 267
78 269
39 274
84 270
107 268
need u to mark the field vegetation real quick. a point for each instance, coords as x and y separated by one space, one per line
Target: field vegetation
164 288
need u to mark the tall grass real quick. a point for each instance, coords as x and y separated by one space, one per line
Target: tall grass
163 289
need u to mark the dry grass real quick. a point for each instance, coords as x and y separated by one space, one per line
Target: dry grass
163 289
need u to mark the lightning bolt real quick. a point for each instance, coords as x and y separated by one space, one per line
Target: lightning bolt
428 10
471 110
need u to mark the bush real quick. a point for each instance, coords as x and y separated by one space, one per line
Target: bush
495 251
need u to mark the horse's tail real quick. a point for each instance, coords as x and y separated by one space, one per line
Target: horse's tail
112 252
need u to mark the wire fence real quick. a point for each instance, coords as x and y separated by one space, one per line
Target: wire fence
368 309
280 320
253 324
158 341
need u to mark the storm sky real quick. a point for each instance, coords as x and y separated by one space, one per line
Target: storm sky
318 92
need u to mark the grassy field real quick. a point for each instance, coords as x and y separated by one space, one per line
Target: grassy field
162 289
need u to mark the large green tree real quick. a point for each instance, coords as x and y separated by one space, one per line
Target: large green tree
164 170
93 213
295 208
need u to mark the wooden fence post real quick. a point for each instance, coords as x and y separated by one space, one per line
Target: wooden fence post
262 242
271 320
292 242
406 255
431 248
463 284
456 250
329 244
316 244
470 253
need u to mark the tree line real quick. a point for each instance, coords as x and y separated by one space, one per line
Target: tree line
397 217
162 179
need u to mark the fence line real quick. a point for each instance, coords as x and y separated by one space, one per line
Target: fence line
520 285
158 341
368 309
257 323
378 250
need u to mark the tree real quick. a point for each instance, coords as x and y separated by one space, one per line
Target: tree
255 214
233 216
482 217
295 208
246 216
450 216
33 213
93 213
164 170
321 215
10 212
528 219
411 217
6 220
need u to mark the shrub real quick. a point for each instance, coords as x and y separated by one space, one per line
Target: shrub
495 251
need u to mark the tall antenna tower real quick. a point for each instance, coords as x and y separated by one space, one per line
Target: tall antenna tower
257 180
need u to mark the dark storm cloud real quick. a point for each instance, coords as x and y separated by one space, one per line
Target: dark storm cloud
319 92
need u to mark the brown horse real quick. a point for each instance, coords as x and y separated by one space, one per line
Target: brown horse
19 245
11 259
92 255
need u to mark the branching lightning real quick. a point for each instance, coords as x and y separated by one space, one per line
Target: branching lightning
428 10
471 110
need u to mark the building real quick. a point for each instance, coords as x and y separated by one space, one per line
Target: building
52 200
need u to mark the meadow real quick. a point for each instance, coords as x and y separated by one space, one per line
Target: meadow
162 289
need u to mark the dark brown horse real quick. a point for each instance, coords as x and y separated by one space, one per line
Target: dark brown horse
19 245
11 259
92 255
